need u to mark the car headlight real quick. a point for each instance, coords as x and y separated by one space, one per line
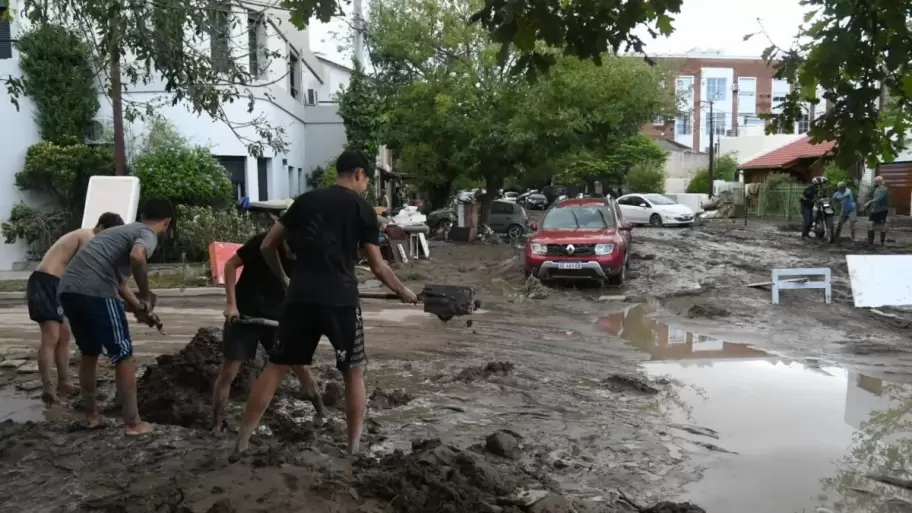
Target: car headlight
539 249
604 249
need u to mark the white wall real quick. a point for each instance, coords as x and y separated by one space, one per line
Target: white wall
684 123
680 167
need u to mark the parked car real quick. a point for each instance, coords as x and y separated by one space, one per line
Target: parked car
655 210
580 239
553 192
536 201
510 196
506 217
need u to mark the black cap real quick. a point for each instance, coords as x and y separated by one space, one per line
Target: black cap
350 160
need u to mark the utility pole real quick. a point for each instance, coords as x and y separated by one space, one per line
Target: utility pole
712 149
120 153
359 32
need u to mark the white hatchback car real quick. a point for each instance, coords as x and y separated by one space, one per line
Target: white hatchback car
655 210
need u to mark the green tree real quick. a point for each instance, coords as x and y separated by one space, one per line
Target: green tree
856 53
361 111
609 164
725 168
588 30
646 177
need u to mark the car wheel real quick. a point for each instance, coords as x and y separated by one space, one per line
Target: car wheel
655 220
515 231
618 281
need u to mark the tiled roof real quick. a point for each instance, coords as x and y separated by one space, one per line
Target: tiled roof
788 154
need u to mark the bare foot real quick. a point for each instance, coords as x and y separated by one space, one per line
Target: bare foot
95 421
219 427
66 390
138 429
319 419
50 399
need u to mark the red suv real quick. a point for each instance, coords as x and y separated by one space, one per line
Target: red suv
580 239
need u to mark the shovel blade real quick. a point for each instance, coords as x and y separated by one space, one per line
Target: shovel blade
448 301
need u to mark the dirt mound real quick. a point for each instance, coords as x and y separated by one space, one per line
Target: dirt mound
486 371
177 389
622 383
707 311
381 399
439 478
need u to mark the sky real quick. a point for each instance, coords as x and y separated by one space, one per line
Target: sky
703 24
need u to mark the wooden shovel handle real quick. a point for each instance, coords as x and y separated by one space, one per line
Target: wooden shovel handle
364 294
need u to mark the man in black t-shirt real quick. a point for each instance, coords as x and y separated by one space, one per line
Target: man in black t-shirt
258 293
326 229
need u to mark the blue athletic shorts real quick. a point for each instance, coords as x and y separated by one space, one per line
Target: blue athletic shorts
98 324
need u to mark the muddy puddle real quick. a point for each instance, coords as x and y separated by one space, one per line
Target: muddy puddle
775 435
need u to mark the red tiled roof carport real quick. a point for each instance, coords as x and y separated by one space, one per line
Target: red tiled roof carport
786 156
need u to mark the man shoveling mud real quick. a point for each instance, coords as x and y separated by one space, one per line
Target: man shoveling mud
259 294
847 214
90 293
326 228
44 307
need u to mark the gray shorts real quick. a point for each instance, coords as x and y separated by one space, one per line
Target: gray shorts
239 341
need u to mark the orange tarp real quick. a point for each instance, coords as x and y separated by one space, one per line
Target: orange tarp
219 254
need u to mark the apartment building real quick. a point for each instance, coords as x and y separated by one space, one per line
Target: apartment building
735 90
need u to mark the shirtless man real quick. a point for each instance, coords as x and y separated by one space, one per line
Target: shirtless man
44 307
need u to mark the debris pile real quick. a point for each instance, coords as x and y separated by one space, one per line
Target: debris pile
381 399
470 374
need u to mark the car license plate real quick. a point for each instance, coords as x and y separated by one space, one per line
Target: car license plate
570 265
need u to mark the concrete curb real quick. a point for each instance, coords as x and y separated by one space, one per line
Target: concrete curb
188 292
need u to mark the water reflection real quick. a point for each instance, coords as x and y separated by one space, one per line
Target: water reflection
669 341
805 435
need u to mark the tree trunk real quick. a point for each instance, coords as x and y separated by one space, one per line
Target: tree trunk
120 153
492 185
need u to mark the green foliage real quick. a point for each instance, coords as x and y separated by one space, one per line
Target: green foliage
329 175
835 174
202 225
63 172
162 135
58 77
646 177
186 176
778 195
38 228
609 164
585 29
360 110
853 52
699 184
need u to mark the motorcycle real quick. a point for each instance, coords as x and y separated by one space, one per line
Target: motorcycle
822 215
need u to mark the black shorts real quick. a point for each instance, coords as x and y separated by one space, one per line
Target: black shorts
303 324
239 340
878 217
98 324
41 295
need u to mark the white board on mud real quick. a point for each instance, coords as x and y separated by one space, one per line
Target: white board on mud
118 194
880 280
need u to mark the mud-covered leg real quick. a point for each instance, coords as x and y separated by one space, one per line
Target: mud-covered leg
260 397
62 361
50 333
312 389
125 376
88 367
221 392
355 406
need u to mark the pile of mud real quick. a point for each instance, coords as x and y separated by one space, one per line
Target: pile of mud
485 371
177 389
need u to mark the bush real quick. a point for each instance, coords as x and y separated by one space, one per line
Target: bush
197 227
835 174
326 176
39 229
63 172
699 184
186 176
646 177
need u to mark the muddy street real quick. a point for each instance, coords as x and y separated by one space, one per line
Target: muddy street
686 385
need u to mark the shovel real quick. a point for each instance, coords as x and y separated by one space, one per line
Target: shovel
444 301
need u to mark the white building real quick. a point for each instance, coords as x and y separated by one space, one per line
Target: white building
295 92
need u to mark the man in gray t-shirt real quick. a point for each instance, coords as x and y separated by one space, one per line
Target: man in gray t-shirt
93 290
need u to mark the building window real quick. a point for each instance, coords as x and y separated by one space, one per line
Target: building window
256 43
684 124
716 89
220 38
804 124
6 43
747 95
294 74
659 121
715 123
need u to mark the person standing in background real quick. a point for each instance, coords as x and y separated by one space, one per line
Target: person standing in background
880 205
849 212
